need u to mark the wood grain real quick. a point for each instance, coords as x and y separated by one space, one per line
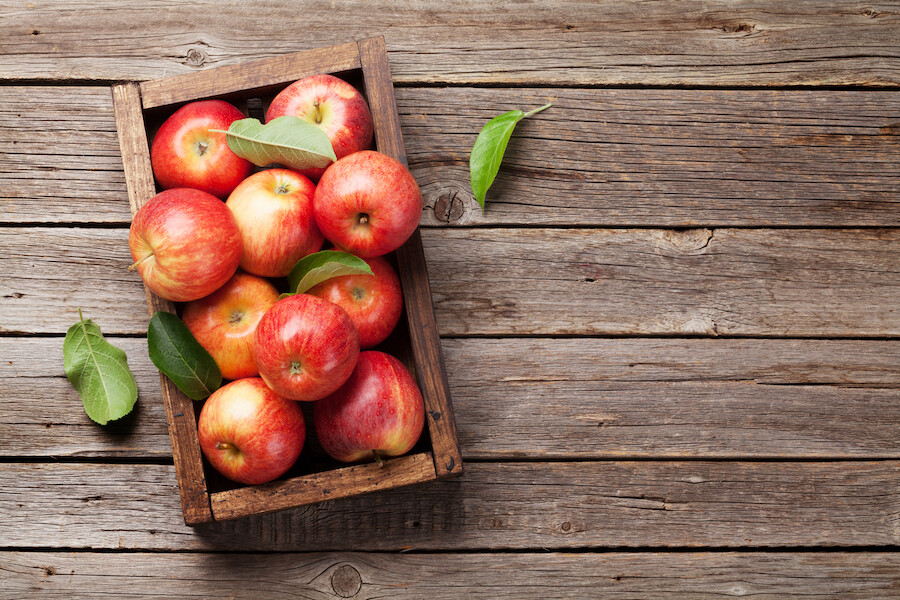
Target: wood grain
675 576
598 157
754 42
180 413
495 282
334 484
545 398
530 505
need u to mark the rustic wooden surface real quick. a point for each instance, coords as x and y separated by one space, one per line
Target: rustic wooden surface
671 340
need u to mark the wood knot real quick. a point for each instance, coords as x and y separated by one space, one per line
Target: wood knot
449 207
871 13
566 526
345 581
195 57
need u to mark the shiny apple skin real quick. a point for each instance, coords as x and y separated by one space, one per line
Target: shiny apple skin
305 347
194 242
343 113
265 431
372 185
176 154
374 302
274 211
379 408
225 321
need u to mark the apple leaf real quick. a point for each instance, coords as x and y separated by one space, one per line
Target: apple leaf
177 353
312 270
289 141
99 371
490 145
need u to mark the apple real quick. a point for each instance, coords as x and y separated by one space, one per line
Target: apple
273 210
249 433
224 322
333 105
185 244
379 412
305 347
374 302
367 203
186 154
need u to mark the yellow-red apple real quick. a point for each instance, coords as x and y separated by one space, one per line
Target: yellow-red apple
305 347
249 433
273 210
185 153
185 244
224 322
379 412
333 105
374 302
368 204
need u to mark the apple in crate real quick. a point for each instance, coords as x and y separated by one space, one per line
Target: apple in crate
333 105
249 433
378 412
368 204
305 347
374 302
186 154
225 321
273 210
185 244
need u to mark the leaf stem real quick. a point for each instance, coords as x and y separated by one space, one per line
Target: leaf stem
537 110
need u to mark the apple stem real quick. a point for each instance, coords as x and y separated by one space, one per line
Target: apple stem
134 266
318 111
223 446
378 458
363 219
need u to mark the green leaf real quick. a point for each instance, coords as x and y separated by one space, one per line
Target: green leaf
289 141
99 371
175 352
312 270
490 145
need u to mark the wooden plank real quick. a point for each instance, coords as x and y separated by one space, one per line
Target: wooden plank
529 505
495 282
179 408
683 575
413 272
254 75
655 398
598 157
754 42
338 483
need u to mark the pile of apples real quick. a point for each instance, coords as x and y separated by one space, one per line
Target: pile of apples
217 257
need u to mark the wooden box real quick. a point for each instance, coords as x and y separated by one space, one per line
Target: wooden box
205 495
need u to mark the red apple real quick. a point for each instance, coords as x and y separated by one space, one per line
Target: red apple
249 433
224 322
379 410
374 302
185 244
367 203
305 347
334 106
186 154
273 210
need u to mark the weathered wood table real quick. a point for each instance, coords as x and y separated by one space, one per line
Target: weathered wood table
672 339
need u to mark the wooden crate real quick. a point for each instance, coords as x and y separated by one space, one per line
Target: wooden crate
205 495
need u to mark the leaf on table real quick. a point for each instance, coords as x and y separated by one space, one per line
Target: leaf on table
312 270
289 141
489 148
99 371
177 353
